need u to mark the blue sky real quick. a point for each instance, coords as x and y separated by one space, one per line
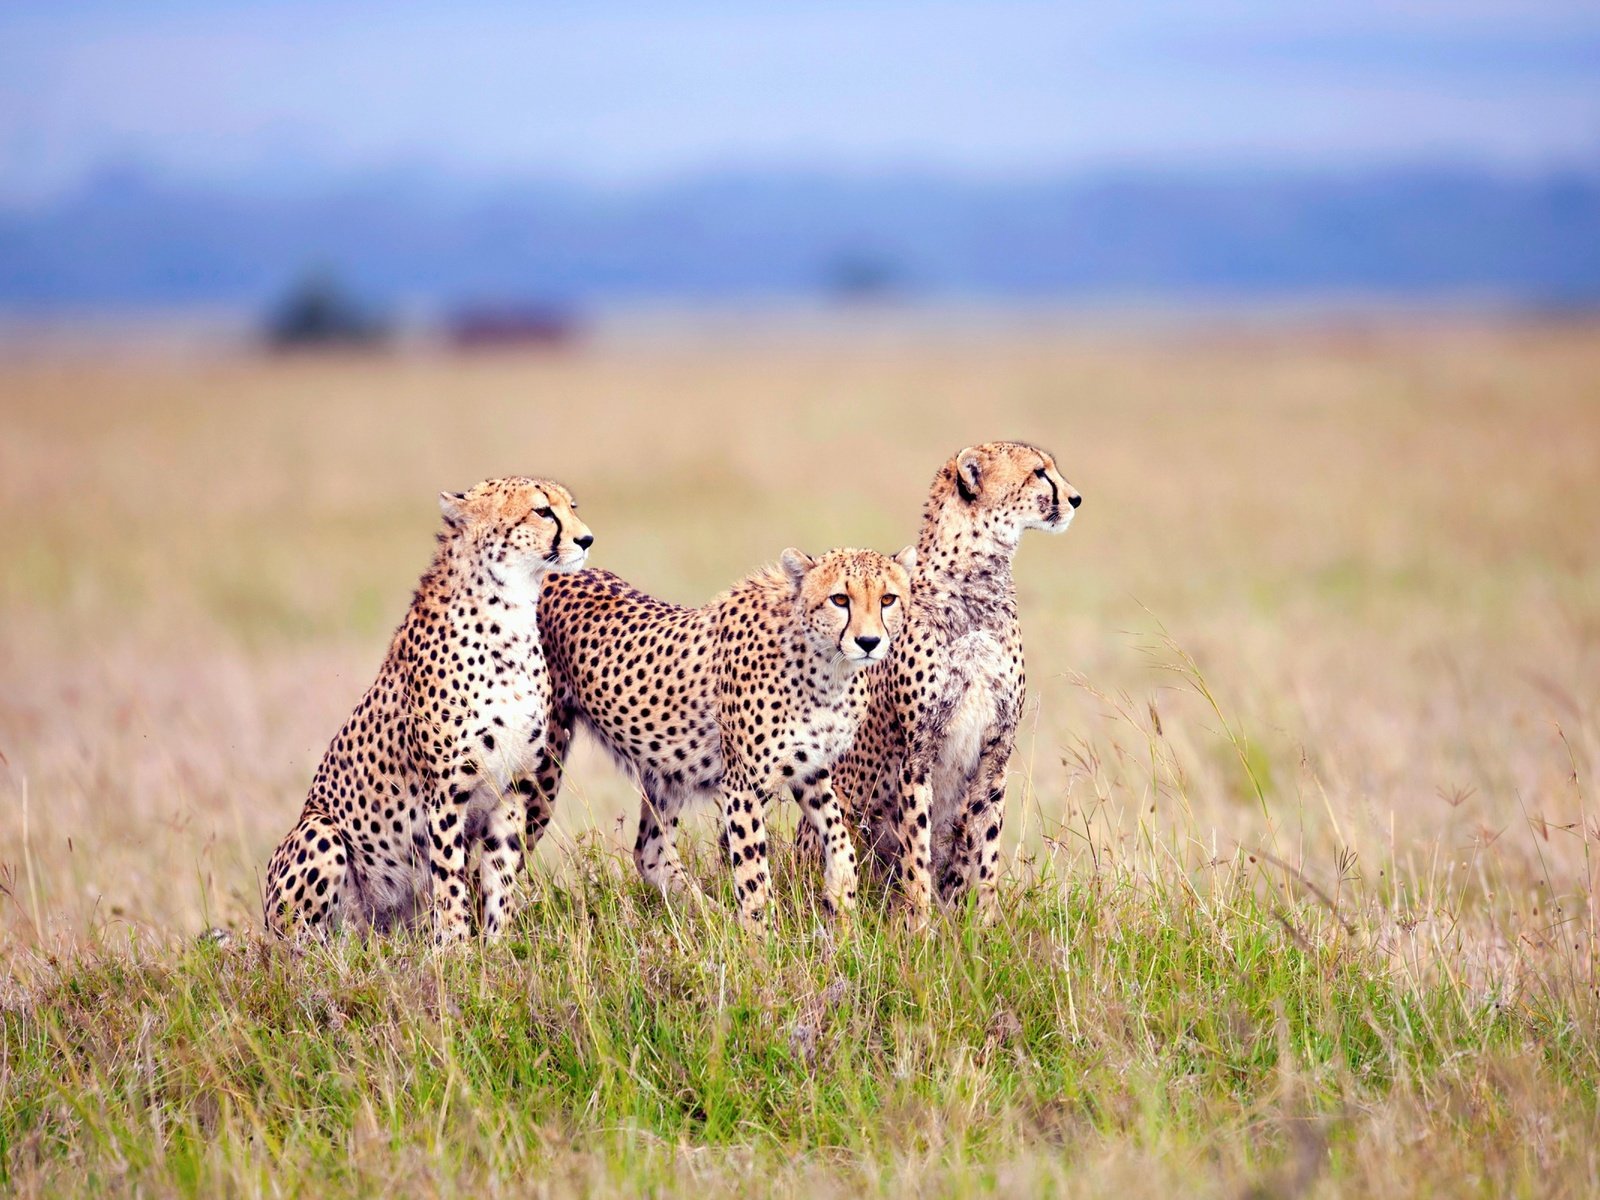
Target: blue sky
277 94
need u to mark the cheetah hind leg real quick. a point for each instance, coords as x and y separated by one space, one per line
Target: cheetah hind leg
310 886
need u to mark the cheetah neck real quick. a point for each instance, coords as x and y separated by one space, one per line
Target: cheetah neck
476 591
963 571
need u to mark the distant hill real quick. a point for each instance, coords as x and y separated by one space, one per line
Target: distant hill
126 240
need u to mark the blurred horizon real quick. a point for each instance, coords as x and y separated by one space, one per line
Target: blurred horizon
172 154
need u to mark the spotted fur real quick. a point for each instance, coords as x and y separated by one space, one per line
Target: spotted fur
437 759
748 697
926 775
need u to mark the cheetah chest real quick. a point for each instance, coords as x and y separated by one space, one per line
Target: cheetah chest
510 711
978 682
513 732
817 738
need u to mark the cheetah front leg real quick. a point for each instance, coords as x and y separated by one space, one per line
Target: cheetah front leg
742 817
973 864
913 830
447 858
501 860
821 805
808 839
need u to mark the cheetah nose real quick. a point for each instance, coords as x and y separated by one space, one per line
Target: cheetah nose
585 541
868 643
1075 500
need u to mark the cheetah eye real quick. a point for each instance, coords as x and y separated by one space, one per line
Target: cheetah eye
1039 471
543 512
888 601
840 599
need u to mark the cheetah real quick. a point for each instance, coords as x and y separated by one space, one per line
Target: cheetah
926 775
437 759
749 695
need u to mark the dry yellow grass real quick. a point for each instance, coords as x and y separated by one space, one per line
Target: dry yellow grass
1332 606
1380 550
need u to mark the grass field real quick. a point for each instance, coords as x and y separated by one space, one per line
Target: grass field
1302 889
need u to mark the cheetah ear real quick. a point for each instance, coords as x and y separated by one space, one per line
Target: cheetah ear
969 473
454 507
795 564
907 558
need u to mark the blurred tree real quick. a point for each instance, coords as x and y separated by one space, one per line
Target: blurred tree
319 312
859 275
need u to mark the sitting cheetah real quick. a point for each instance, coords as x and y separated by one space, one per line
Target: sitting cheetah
750 694
439 753
927 771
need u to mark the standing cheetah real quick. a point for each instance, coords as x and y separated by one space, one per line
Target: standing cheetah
927 771
439 753
750 694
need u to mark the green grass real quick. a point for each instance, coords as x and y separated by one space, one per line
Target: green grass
1304 870
1173 1029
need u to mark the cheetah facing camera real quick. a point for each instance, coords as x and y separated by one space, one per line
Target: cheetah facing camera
439 754
927 772
750 694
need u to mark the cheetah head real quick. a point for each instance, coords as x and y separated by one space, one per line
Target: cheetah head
1014 485
852 602
519 526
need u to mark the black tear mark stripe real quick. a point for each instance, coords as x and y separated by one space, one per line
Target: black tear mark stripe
1055 494
555 544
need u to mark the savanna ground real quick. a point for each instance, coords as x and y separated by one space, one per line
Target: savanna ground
1302 890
